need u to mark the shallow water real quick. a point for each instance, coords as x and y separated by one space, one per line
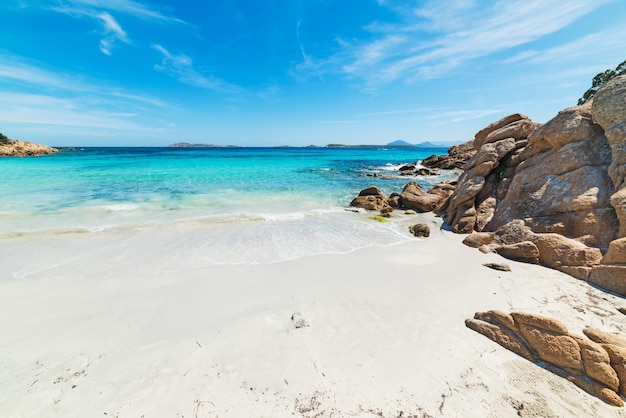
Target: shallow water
102 211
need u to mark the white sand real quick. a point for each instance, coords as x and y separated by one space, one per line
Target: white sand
386 338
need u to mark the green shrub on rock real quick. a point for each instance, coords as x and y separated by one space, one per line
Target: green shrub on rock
601 79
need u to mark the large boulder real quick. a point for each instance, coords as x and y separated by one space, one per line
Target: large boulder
487 174
481 136
561 185
413 196
565 181
557 251
370 198
525 251
608 110
456 157
517 241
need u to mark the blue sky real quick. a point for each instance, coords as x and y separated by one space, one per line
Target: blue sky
293 72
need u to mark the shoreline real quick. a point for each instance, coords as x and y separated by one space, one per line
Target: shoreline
376 332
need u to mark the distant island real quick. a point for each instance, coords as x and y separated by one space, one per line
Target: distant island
394 144
400 144
188 145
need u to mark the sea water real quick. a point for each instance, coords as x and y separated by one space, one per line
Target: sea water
97 212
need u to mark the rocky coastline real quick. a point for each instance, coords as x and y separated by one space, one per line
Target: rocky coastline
552 194
17 148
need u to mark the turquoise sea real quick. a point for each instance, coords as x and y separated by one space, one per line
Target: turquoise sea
96 212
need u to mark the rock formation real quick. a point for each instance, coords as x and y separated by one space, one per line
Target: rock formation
553 194
561 182
456 157
413 196
488 173
516 241
17 148
596 365
609 111
370 198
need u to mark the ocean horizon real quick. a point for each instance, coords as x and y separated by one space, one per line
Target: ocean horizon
96 211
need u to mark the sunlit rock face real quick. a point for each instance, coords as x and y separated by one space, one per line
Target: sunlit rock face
565 177
17 148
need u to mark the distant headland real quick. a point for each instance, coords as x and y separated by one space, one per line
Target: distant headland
17 148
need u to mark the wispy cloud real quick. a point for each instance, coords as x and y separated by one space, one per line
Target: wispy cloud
39 109
439 37
13 71
457 116
37 95
112 32
438 113
102 12
181 67
603 44
29 74
127 7
398 112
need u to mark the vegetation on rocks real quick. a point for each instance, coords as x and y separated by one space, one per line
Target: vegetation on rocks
17 148
600 80
4 139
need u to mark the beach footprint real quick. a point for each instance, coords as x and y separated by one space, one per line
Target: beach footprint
63 376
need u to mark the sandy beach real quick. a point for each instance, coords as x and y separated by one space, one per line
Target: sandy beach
378 332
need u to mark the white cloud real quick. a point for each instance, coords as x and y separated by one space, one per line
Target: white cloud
33 95
603 44
39 109
112 32
14 70
181 67
100 10
463 115
128 7
439 37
